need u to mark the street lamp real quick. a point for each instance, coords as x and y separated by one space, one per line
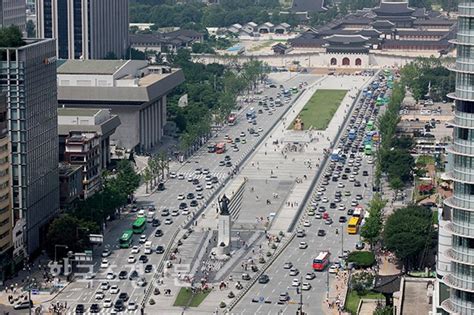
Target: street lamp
55 250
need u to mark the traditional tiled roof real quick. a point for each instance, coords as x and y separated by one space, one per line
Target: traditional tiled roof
446 22
393 8
382 24
370 32
308 6
346 39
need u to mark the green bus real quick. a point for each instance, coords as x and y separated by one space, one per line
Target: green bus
139 225
126 239
370 125
368 149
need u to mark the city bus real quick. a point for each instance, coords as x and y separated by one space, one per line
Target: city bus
125 240
336 155
370 125
352 134
211 148
321 261
220 148
231 119
139 225
353 225
368 149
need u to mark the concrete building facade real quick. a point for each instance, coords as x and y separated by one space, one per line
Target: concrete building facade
459 209
84 29
131 89
13 12
84 140
29 79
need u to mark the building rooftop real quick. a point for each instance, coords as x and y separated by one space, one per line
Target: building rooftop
91 66
346 39
396 8
78 111
308 6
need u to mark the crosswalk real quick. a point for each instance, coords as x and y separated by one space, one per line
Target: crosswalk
106 311
219 175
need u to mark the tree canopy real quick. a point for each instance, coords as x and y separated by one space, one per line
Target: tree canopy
408 233
372 229
11 36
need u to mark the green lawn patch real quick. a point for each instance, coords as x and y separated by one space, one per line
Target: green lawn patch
318 112
352 300
363 259
186 298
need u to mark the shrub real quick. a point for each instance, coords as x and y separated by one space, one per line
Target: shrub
152 302
362 282
222 304
362 259
231 295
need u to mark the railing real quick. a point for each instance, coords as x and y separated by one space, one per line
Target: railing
463 119
460 256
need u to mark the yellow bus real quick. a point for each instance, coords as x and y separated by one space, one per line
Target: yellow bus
353 225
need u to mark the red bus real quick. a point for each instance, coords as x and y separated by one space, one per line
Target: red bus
231 119
321 262
220 148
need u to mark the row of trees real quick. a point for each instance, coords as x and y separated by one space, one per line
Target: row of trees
393 156
428 78
198 16
157 170
211 90
72 229
371 231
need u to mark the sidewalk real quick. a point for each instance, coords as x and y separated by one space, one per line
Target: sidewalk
337 293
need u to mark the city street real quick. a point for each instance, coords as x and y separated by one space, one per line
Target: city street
84 292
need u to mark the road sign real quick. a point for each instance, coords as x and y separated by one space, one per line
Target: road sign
261 299
88 252
82 257
34 291
96 238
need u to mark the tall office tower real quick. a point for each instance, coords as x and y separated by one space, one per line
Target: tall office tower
13 12
6 218
28 76
459 209
88 29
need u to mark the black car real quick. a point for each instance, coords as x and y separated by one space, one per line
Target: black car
350 211
321 233
227 158
214 180
237 140
263 279
365 173
133 275
193 203
158 233
183 205
342 219
161 186
357 184
190 196
160 249
332 205
195 181
123 296
148 268
344 176
155 223
143 259
119 305
80 308
123 275
347 170
94 308
228 164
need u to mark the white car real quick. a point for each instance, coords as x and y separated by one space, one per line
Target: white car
131 259
294 271
135 249
174 213
173 175
370 161
260 129
181 176
205 171
333 268
185 212
110 276
340 185
148 251
143 239
306 223
168 221
235 149
306 286
107 303
131 306
310 276
104 263
321 189
99 295
209 186
295 282
325 200
303 245
104 286
199 196
141 213
352 178
181 197
114 289
190 178
106 252
199 188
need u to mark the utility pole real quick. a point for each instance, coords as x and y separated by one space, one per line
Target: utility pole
327 284
300 308
342 239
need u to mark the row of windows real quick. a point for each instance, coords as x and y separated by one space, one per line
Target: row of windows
463 216
461 161
463 189
465 81
466 24
4 222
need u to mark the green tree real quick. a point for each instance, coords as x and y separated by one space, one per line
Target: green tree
127 179
362 282
408 232
383 310
11 37
30 29
69 231
372 229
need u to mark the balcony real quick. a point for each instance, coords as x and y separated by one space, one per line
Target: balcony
459 256
463 285
461 175
466 10
457 202
462 147
455 306
464 120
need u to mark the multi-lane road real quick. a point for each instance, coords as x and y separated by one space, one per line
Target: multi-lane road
84 291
